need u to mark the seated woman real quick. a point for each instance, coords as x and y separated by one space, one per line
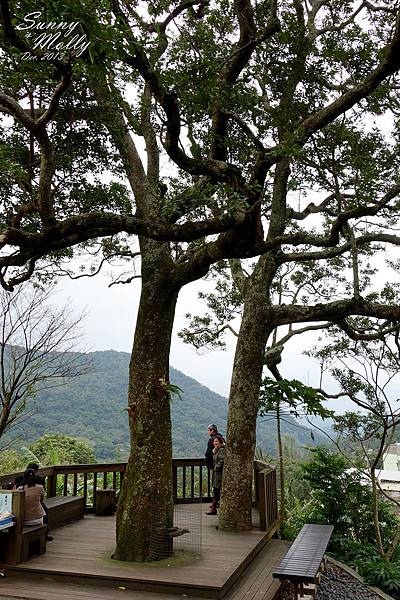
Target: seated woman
34 496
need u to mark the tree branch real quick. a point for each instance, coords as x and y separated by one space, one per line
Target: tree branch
334 311
293 332
49 113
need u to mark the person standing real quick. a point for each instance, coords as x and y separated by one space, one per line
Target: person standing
218 467
212 432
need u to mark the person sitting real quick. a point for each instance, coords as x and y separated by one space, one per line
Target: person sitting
34 496
19 481
218 466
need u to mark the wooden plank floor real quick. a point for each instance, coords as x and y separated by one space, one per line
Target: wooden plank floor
255 584
209 562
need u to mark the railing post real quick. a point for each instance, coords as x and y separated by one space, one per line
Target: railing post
273 497
52 484
175 482
262 500
256 488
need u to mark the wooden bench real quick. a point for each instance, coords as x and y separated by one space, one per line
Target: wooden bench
23 541
302 562
33 540
64 509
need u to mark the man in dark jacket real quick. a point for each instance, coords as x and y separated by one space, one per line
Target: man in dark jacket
212 432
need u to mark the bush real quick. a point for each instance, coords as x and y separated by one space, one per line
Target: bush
340 497
10 462
55 448
382 574
352 552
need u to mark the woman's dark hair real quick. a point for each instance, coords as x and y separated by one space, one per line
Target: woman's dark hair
219 438
30 478
33 466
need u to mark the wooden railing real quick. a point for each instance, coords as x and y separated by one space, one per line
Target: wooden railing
266 498
190 476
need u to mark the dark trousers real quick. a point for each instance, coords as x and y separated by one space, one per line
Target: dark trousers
216 494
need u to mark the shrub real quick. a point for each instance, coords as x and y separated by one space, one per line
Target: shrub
382 574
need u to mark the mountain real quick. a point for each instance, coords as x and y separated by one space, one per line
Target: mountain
93 407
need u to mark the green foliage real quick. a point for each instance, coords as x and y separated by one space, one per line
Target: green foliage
376 571
292 394
341 497
11 461
364 558
383 574
173 391
352 552
53 449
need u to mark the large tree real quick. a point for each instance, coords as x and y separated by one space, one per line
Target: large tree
193 81
317 269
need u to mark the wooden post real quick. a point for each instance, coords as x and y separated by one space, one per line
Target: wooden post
256 490
175 482
105 502
52 484
262 505
14 550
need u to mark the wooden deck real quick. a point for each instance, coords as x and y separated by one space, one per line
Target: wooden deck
77 565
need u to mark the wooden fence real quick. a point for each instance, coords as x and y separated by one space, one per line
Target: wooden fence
190 476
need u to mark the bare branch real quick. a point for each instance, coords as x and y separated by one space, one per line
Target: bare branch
36 346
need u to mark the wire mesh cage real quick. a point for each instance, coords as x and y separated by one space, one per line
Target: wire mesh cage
188 519
175 531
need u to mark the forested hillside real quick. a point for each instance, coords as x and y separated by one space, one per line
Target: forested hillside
93 407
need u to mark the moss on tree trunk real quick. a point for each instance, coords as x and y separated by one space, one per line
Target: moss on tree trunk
236 502
145 507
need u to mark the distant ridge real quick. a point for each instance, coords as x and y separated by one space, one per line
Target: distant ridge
93 407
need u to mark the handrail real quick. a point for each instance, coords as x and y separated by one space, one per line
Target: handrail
190 476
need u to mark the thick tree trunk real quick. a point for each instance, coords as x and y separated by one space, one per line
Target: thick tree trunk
145 507
255 329
236 501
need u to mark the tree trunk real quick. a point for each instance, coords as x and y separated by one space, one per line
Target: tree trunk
375 512
282 508
4 416
236 501
145 507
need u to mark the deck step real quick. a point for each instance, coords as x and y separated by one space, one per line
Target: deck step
13 587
